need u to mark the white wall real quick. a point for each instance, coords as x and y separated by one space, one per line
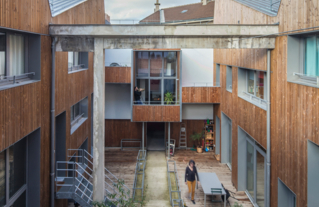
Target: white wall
198 111
197 67
120 56
117 101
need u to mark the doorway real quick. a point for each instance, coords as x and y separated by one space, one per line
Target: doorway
156 136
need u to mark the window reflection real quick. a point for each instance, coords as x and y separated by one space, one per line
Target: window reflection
156 64
251 85
170 64
260 84
169 91
250 170
142 64
156 95
2 178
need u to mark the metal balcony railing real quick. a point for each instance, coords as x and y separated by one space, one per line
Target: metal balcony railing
173 185
14 78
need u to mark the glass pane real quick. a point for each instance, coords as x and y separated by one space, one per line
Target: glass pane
260 180
250 84
76 110
2 55
72 113
170 64
169 91
250 170
76 59
142 64
17 166
260 82
156 64
142 84
230 143
21 201
70 60
311 63
2 178
16 55
156 92
229 78
217 75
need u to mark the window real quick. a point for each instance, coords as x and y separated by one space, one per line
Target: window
20 57
226 153
79 113
217 75
229 79
303 59
156 73
312 173
251 86
286 197
13 175
77 61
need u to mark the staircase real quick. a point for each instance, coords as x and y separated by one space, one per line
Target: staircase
183 137
74 180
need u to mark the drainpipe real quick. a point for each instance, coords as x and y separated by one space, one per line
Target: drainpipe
52 120
268 131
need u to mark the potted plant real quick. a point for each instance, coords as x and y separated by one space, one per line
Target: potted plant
169 98
196 137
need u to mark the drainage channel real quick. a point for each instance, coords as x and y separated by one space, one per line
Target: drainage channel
138 187
173 185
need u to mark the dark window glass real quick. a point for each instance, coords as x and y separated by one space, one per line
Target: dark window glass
17 167
21 201
156 92
142 64
156 64
143 84
2 178
169 91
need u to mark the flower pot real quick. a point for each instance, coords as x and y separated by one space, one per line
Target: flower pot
199 150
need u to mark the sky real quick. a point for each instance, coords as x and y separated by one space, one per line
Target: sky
138 9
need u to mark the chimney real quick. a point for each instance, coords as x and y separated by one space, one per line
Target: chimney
157 4
204 2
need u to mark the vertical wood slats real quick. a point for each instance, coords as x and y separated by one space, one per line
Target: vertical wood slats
117 74
148 113
201 94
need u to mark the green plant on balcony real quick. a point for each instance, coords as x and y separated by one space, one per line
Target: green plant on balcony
169 98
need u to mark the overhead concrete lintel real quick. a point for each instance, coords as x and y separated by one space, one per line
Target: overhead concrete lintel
210 30
70 44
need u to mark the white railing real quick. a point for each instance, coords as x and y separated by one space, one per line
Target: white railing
255 98
309 78
118 64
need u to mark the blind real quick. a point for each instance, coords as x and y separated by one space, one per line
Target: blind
311 61
16 55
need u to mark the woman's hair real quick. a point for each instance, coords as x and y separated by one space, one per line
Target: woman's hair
191 161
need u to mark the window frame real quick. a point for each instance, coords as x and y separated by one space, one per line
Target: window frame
162 78
9 78
76 121
76 66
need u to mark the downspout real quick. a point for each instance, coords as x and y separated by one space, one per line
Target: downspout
52 120
268 131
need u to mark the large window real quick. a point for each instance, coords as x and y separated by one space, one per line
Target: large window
79 113
77 61
229 79
156 73
13 175
217 83
311 56
252 86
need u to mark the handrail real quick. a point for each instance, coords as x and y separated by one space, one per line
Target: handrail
312 78
15 76
77 119
130 140
75 67
179 201
141 160
251 97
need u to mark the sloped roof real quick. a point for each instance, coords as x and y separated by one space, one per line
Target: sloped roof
59 6
194 11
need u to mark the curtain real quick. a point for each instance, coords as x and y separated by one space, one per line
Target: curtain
311 63
16 55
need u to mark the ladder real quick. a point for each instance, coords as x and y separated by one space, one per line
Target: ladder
183 137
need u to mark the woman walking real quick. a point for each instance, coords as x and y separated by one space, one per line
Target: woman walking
190 180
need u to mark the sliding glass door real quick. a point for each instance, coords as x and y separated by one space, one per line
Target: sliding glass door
255 172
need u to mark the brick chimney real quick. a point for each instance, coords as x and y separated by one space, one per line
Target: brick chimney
204 2
157 4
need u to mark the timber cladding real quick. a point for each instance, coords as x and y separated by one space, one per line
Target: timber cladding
156 113
201 94
35 15
117 74
242 113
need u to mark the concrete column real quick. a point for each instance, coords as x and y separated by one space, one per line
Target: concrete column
98 120
143 136
169 140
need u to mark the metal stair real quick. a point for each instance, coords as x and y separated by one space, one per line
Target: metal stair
183 137
74 180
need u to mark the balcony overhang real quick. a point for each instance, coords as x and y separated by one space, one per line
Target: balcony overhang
165 36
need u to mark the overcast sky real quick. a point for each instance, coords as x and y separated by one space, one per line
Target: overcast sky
138 9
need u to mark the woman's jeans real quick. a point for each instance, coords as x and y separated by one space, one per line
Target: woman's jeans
191 188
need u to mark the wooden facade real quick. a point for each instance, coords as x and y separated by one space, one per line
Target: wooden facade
156 113
294 107
26 108
201 94
117 74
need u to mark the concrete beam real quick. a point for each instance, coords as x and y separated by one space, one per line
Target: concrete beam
98 121
210 30
76 44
